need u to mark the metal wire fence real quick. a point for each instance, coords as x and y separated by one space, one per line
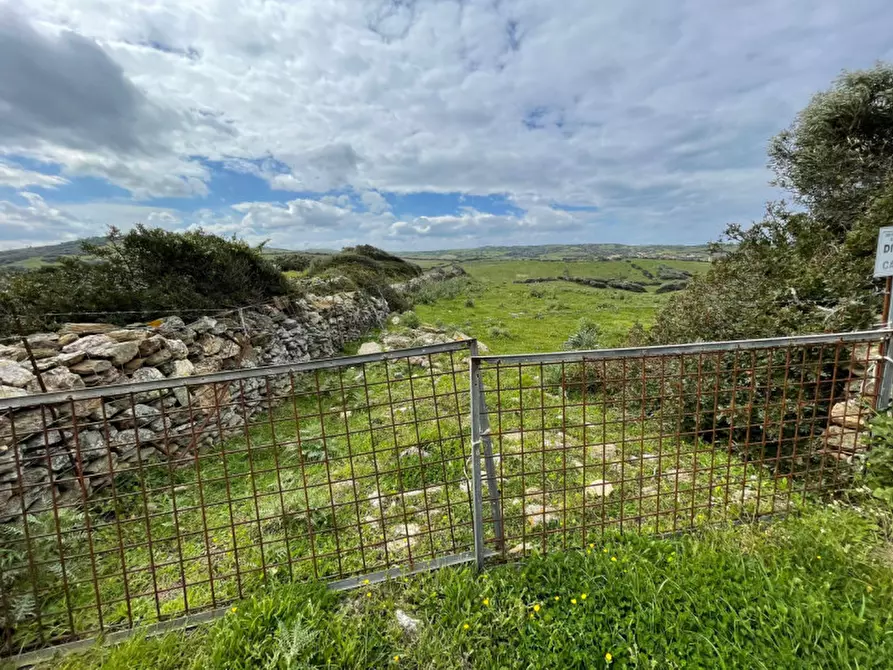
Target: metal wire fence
141 503
665 439
145 502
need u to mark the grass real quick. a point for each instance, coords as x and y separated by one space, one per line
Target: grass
523 318
805 592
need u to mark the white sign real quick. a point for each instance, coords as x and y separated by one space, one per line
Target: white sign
883 258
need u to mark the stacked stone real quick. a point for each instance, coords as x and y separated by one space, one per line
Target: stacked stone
59 453
847 432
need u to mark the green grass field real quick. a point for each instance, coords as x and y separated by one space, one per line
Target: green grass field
523 318
807 592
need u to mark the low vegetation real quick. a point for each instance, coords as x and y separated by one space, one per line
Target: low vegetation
806 592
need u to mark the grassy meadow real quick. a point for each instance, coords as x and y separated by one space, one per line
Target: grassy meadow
524 318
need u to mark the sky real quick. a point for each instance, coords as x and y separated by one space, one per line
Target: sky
409 124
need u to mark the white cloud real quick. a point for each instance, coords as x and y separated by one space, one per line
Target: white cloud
17 177
661 124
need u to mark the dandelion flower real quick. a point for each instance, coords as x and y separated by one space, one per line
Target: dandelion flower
604 551
869 588
592 545
557 598
819 557
486 602
536 608
465 626
573 601
396 659
614 558
368 594
366 581
234 609
609 657
583 596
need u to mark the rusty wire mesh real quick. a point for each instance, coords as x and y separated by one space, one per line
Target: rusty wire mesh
661 440
147 502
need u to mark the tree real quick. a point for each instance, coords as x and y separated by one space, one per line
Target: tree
808 270
838 154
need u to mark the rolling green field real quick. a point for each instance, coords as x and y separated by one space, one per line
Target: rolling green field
522 318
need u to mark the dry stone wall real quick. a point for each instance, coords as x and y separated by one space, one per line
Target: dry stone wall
64 452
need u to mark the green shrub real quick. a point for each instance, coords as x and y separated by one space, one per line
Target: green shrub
428 293
585 337
469 302
410 320
293 262
878 474
499 332
146 272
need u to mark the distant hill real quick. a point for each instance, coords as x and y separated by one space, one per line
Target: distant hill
568 252
34 257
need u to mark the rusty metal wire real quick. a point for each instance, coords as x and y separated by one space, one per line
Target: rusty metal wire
668 439
147 502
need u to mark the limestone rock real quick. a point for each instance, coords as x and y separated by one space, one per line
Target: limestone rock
849 414
118 353
203 324
161 356
62 359
540 515
126 335
91 367
11 391
13 374
843 439
87 343
178 350
369 348
87 328
43 340
67 338
150 345
599 489
61 379
183 368
409 625
229 349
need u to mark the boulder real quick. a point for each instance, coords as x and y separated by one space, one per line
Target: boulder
134 364
61 359
161 356
843 439
91 367
178 350
850 414
87 343
126 335
203 324
229 349
12 353
11 392
210 344
87 328
150 345
44 340
13 374
182 368
118 353
369 348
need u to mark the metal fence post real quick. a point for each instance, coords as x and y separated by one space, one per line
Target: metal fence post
477 494
886 351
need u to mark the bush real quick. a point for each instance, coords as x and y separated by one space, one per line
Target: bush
147 272
366 268
428 293
469 302
878 474
410 320
293 262
585 337
499 332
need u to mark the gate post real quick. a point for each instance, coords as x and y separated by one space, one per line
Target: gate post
480 438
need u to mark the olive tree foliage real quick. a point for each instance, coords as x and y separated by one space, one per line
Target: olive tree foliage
808 268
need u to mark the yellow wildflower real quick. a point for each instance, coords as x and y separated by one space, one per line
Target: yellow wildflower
592 545
583 596
614 558
368 594
608 657
573 601
819 557
366 581
486 602
869 588
604 551
536 608
465 626
396 659
557 598
234 609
